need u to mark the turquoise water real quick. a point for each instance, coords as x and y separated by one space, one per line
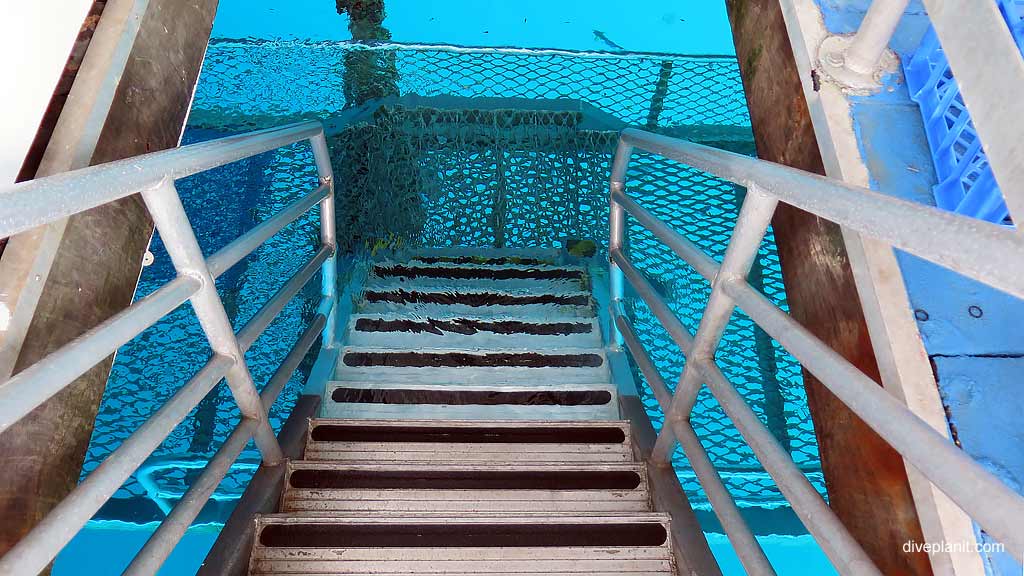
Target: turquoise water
108 548
447 183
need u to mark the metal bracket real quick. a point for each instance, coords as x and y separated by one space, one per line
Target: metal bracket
833 64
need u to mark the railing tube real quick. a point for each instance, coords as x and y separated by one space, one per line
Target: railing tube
34 385
269 311
679 334
747 548
991 256
617 228
328 233
643 361
40 546
872 38
37 202
736 529
751 226
835 540
222 260
690 253
987 499
169 216
160 545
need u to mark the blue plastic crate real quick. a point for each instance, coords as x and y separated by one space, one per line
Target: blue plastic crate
966 184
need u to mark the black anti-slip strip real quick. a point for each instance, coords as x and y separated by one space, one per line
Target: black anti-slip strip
468 435
462 535
474 299
483 261
472 397
464 360
478 273
464 480
471 326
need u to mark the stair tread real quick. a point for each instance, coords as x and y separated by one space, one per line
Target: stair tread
497 423
385 384
526 271
395 331
551 441
317 485
520 286
615 531
323 465
585 357
469 400
448 316
605 518
470 412
510 365
461 350
580 308
490 252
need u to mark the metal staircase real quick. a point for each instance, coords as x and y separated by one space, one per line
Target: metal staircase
469 421
471 427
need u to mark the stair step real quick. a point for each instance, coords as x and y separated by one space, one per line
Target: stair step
396 544
547 254
472 332
375 399
420 276
412 270
432 283
480 302
470 366
426 441
485 260
456 488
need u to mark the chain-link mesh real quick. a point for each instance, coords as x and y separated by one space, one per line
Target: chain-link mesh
500 156
704 209
256 83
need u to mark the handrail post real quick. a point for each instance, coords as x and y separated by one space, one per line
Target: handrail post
176 232
328 235
617 233
857 62
872 38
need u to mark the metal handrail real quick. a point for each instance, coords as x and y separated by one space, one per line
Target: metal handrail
982 251
38 202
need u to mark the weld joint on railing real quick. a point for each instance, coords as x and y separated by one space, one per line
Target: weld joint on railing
197 275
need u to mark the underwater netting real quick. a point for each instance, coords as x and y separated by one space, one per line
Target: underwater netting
247 84
446 146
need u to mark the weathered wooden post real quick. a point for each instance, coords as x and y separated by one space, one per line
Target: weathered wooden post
865 478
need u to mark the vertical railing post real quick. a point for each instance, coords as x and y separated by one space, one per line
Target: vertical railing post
857 62
617 232
328 236
873 36
176 232
751 226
